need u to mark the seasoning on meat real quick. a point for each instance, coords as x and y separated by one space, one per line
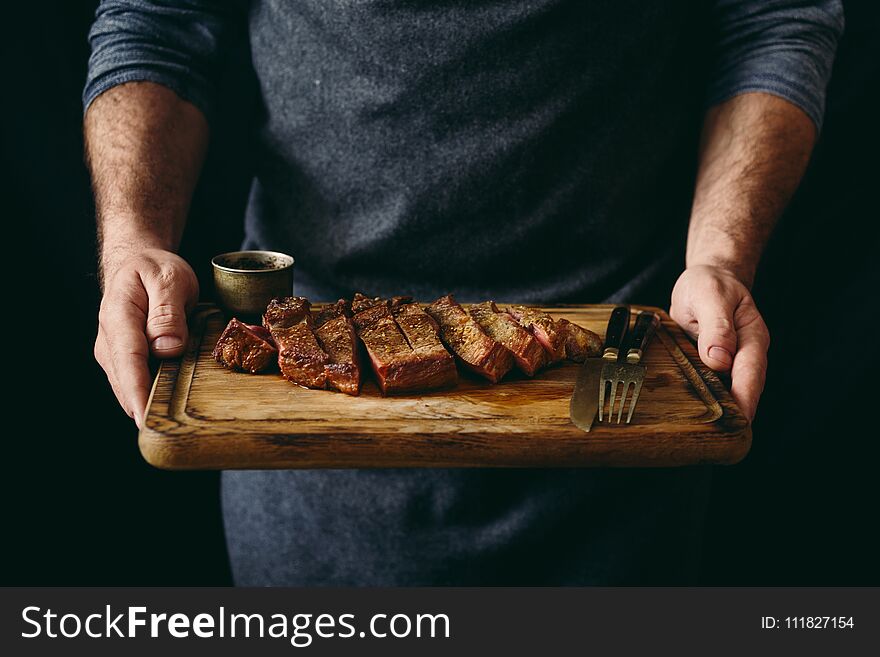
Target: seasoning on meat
464 337
245 347
544 328
397 365
501 327
336 335
410 348
580 343
330 312
361 302
436 367
300 357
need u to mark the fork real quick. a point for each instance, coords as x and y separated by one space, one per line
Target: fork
630 372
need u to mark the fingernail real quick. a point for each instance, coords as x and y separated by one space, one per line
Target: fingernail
721 354
166 343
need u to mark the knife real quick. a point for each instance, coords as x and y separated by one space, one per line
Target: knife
585 399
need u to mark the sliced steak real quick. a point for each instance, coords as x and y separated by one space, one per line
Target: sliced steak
336 335
580 343
361 302
386 346
341 308
398 366
501 327
300 357
432 365
464 337
245 347
544 328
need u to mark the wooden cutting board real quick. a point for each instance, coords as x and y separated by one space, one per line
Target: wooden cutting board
202 416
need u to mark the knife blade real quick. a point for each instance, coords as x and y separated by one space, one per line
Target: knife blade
585 399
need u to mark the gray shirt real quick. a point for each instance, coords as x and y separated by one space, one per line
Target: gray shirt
537 151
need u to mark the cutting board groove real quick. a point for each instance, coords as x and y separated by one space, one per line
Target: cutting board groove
202 416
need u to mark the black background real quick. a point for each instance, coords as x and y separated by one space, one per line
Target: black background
80 506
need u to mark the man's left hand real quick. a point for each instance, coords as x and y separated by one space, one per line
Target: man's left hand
716 308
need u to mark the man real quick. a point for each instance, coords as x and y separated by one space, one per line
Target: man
523 151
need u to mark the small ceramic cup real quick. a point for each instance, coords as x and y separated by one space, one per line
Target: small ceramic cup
245 281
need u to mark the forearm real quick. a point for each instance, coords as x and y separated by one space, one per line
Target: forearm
753 152
144 148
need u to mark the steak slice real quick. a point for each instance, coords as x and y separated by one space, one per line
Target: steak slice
336 335
436 366
580 343
399 365
245 347
341 308
361 302
501 327
464 337
544 328
386 346
300 357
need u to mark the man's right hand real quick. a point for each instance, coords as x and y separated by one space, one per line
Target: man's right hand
147 297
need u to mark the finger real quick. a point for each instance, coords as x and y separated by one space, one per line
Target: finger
108 369
716 335
122 319
750 365
169 298
102 356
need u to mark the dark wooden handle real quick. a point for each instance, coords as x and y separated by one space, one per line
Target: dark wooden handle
618 325
646 324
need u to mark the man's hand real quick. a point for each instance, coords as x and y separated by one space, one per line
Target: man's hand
713 306
146 300
753 152
144 147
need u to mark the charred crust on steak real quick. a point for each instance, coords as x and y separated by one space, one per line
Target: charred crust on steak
336 334
341 308
410 348
468 341
404 349
528 354
287 311
544 328
300 357
245 347
579 343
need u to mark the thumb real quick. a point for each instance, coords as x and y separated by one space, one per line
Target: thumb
166 327
716 335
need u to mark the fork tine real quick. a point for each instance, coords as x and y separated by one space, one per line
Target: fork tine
626 383
635 397
602 384
612 399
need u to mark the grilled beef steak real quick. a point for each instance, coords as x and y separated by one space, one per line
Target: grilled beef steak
398 366
405 353
501 327
336 335
245 347
341 308
580 343
464 337
300 357
436 366
410 349
361 303
544 328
